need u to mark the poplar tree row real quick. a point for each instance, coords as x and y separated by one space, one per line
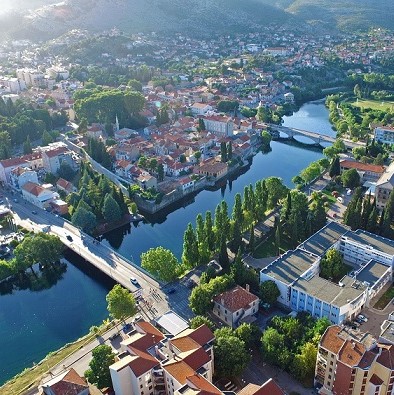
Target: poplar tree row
211 235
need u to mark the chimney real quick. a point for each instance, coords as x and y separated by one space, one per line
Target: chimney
247 287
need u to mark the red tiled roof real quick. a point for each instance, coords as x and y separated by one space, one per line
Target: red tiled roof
33 188
71 384
180 370
351 352
268 388
235 299
198 382
202 335
330 340
349 164
143 363
55 152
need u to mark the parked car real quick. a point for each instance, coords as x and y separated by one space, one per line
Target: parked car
191 283
134 281
69 238
171 291
114 336
34 212
362 318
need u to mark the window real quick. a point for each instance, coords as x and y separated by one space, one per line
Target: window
141 386
329 376
150 387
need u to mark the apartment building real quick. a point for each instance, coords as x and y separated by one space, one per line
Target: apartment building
353 363
33 161
152 364
37 195
367 171
384 134
296 273
384 186
219 125
235 306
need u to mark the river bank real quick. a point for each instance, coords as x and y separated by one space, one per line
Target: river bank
33 324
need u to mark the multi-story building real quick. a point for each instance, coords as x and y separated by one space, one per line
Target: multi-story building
200 108
219 125
354 364
21 175
235 306
54 155
12 84
367 172
152 364
33 161
384 134
296 273
384 186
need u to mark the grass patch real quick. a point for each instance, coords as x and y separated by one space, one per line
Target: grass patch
373 104
328 196
31 377
385 299
268 248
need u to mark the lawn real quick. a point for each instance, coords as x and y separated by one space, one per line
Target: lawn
385 299
329 196
373 104
268 248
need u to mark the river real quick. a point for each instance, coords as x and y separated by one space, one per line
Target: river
34 323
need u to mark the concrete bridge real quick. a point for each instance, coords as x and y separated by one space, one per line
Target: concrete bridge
316 138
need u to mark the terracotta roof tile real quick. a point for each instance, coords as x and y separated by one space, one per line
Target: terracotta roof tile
351 353
268 388
235 299
70 384
200 383
180 370
195 358
331 341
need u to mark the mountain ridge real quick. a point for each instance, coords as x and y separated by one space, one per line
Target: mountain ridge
198 16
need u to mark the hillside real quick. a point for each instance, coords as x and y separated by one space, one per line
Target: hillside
203 17
200 16
347 15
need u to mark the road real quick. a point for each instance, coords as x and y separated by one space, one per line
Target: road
105 258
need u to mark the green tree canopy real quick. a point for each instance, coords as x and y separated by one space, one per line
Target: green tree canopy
121 303
269 292
160 262
98 372
199 320
111 210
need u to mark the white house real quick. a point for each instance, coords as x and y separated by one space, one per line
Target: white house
236 306
37 195
200 108
21 175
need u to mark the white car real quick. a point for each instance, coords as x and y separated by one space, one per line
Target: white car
362 317
134 280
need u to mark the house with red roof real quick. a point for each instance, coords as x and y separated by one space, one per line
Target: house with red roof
236 306
67 383
38 195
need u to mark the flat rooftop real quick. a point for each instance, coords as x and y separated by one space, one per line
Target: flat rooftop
290 266
172 323
379 243
323 239
372 272
330 292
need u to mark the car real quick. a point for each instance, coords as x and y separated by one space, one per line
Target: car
134 281
69 238
171 291
137 318
126 328
191 283
34 212
363 318
114 336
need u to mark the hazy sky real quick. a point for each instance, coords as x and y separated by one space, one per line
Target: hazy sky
7 5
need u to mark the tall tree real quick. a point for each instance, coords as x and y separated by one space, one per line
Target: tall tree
111 210
223 151
98 372
190 256
27 149
209 231
335 168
